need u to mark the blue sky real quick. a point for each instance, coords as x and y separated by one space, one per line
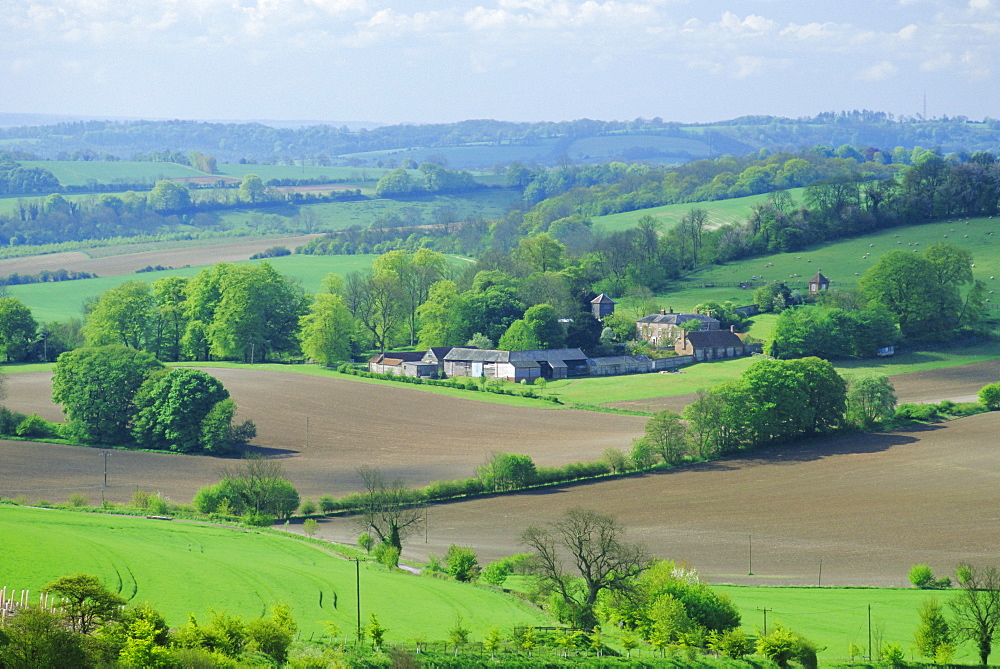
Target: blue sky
521 60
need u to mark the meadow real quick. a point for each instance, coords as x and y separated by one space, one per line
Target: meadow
82 172
834 618
64 300
720 212
184 568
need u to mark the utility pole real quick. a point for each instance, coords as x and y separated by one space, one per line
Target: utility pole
750 556
307 431
819 581
765 610
869 632
357 588
105 454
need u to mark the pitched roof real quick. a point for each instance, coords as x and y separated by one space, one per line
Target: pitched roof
475 355
556 356
819 278
397 357
602 299
437 352
713 339
677 319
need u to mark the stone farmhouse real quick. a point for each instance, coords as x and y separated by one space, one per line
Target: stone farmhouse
663 329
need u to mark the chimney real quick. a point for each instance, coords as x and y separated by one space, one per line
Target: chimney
663 312
732 328
671 310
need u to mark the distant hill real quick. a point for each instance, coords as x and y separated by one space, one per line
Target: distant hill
484 143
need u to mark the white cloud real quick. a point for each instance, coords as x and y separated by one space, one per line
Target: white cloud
752 23
978 5
908 32
879 71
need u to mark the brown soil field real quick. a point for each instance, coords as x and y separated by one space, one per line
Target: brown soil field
127 262
868 506
315 188
958 384
322 430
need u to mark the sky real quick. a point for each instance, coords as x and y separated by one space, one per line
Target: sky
421 61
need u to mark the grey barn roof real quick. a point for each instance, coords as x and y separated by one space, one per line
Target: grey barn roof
556 356
677 319
713 338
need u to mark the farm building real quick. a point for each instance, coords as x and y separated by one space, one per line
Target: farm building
401 363
516 365
602 306
818 284
664 328
710 344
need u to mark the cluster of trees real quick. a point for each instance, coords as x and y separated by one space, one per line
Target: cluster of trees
436 179
257 490
95 627
15 179
119 395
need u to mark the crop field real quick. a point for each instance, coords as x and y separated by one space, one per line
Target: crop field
720 212
80 172
184 568
868 505
63 300
359 175
323 429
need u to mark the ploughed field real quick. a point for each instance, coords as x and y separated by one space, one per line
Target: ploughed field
868 506
323 430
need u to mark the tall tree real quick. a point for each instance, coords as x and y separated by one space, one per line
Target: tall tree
18 329
388 508
907 285
171 407
440 323
602 560
122 315
97 388
544 324
977 607
170 322
327 331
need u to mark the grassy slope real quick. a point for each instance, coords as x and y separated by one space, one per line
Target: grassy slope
720 212
79 172
61 301
836 617
182 568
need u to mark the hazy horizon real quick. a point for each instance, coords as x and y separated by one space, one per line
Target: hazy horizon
389 62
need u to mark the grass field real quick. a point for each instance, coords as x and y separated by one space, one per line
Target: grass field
80 172
61 301
843 262
182 567
265 172
833 618
720 212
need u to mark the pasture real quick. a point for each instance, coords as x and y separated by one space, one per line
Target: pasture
834 618
184 568
842 261
82 172
63 300
720 212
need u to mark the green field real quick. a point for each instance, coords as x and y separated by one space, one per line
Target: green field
81 172
184 567
63 300
265 172
720 212
836 617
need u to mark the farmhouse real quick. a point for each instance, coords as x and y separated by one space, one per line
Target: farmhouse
664 328
516 365
710 344
402 363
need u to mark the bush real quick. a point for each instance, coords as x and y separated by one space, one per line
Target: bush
920 412
78 500
327 503
307 508
921 576
462 563
989 396
9 420
36 427
386 554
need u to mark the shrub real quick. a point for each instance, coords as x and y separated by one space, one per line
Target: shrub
387 554
989 396
36 427
307 508
921 412
78 500
327 503
310 527
462 563
921 576
9 420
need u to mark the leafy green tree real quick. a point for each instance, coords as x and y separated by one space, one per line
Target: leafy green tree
933 634
257 314
439 316
544 323
97 388
219 435
396 183
584 332
489 309
171 408
989 396
36 637
252 189
602 560
327 331
18 329
366 541
507 471
462 563
417 272
782 645
870 399
667 436
520 336
480 341
541 252
122 315
168 196
376 302
257 486
170 320
908 286
86 602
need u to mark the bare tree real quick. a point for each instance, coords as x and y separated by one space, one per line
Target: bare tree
601 561
977 607
388 508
